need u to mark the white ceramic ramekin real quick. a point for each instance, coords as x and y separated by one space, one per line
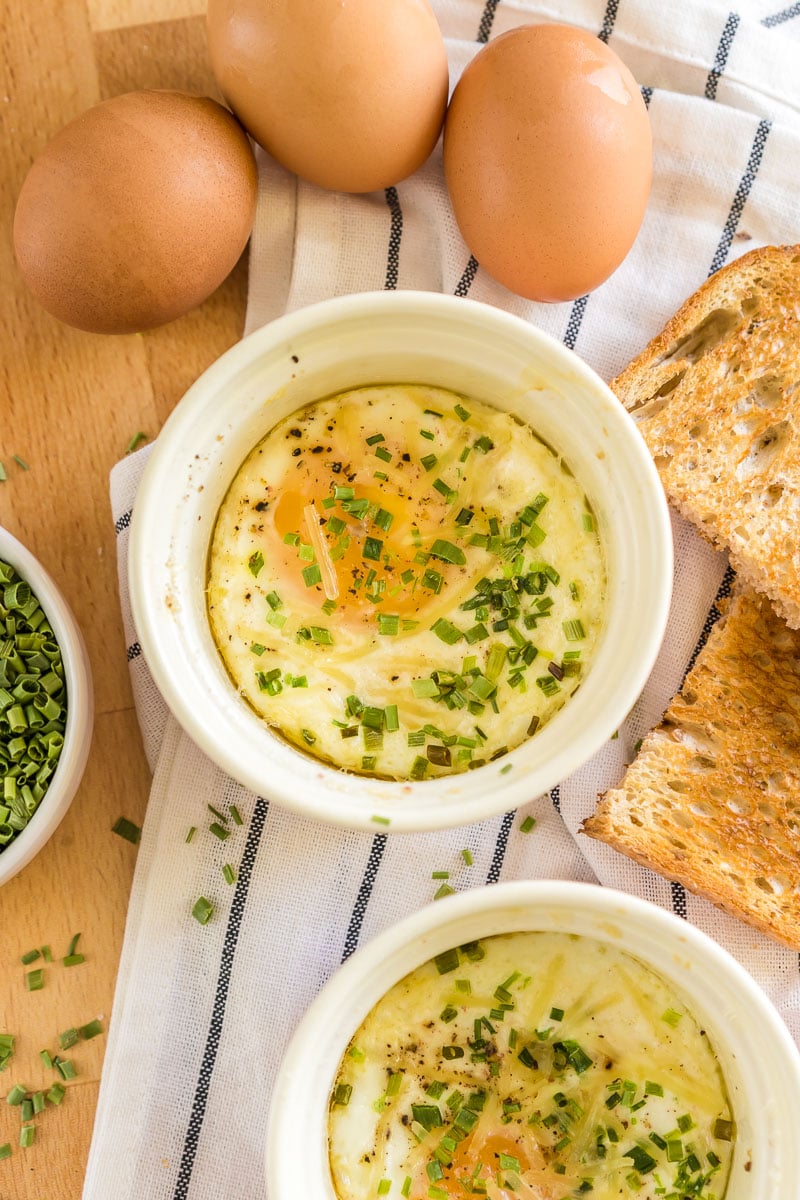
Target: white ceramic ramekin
759 1060
80 710
393 337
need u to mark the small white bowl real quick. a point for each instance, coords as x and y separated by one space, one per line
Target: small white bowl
80 710
393 337
758 1058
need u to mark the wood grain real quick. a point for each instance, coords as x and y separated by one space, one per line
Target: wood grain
69 402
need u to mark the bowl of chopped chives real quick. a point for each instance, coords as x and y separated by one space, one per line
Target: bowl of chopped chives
46 706
546 1039
400 561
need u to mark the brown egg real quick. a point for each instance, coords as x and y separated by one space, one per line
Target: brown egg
349 94
136 211
548 160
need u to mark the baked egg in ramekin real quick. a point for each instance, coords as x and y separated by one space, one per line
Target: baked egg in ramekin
342 686
538 1039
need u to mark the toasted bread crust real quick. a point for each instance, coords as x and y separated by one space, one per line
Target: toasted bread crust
713 798
714 395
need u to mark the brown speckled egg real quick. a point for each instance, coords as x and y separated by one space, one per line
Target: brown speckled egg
349 94
548 160
136 211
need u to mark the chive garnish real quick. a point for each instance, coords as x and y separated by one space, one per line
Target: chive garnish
134 442
671 1017
57 1093
429 461
527 825
30 957
90 1030
26 1135
573 630
467 857
383 454
127 830
34 980
461 412
255 563
202 910
73 960
16 1095
447 552
228 873
5 1152
190 834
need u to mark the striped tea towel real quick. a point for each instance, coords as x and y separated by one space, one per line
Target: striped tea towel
201 1015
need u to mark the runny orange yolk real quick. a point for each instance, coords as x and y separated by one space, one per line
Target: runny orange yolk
485 1151
370 553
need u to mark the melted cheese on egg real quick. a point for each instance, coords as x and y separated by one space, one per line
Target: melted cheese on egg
405 582
533 1065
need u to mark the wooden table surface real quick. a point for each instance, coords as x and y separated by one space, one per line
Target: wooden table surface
69 404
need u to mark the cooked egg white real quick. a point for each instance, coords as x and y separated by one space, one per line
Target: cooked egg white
405 582
532 1065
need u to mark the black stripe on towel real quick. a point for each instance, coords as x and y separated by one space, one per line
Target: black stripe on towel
122 522
574 322
487 20
721 57
608 20
465 282
395 235
500 848
220 1000
679 900
134 650
785 14
742 192
555 796
364 893
647 95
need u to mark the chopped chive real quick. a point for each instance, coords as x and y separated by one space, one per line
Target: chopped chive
483 444
73 945
90 1030
379 820
30 957
383 519
273 600
444 490
257 649
219 831
26 1135
73 960
65 1068
5 1152
44 1055
190 835
383 454
440 874
255 563
34 980
57 1093
588 522
372 549
442 891
342 1094
447 552
133 444
462 413
446 631
467 856
291 539
312 575
127 830
202 910
391 719
671 1017
47 954
228 873
527 825
38 1103
236 816
16 1095
573 630
68 1038
388 624
375 438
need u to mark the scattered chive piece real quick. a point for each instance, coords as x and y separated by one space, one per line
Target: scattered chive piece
527 825
5 1152
255 563
3 476
671 1017
44 1055
135 442
383 454
588 522
219 831
73 945
16 1095
573 630
556 1014
379 820
447 552
126 829
73 960
34 980
68 1038
20 462
65 1068
467 857
442 891
228 873
47 954
462 413
191 833
90 1030
440 874
30 957
56 1093
26 1135
202 910
429 461
342 1094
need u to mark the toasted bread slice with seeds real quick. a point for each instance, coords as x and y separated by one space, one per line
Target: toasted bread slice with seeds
716 397
713 797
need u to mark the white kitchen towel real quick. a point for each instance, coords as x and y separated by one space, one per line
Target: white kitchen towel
202 1015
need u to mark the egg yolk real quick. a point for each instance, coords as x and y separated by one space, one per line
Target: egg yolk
486 1157
372 540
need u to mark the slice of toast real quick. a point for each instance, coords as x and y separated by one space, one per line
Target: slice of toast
716 397
713 797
